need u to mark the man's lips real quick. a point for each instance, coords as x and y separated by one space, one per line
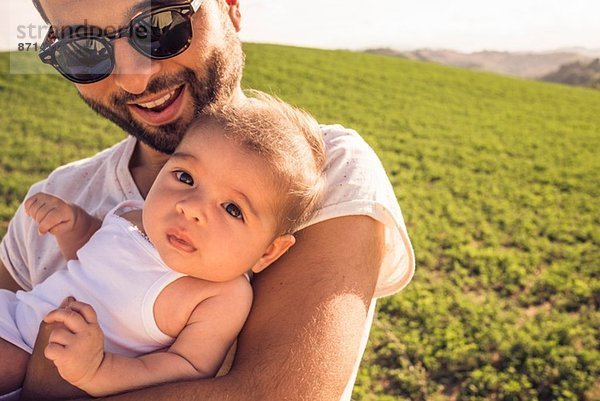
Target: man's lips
180 241
160 109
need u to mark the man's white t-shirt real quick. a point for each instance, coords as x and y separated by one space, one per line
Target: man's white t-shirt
356 185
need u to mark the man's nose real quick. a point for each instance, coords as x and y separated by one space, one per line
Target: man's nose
132 70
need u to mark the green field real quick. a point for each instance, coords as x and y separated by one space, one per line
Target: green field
498 179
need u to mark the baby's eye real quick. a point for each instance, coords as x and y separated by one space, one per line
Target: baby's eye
233 210
184 177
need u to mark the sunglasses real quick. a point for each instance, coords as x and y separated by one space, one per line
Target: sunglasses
85 54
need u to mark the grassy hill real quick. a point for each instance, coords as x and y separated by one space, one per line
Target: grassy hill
498 179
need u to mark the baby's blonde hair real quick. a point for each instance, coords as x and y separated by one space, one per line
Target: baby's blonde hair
289 140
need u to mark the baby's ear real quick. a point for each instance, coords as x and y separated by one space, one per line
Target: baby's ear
277 248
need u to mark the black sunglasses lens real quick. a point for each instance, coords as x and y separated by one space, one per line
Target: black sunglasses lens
84 60
162 35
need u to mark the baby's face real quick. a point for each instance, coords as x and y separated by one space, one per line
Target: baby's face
210 213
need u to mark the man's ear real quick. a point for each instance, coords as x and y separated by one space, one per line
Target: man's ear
277 248
234 14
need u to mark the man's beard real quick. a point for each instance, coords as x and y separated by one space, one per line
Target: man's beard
222 78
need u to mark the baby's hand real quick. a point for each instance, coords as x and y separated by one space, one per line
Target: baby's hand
76 348
51 213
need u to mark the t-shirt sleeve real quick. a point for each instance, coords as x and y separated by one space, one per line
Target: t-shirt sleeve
97 184
13 249
357 184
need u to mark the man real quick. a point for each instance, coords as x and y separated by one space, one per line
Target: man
312 310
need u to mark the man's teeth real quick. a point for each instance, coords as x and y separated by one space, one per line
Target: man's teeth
157 102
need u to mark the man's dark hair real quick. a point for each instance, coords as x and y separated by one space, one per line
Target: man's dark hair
38 7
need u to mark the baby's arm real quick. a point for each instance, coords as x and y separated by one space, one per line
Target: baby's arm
198 351
71 225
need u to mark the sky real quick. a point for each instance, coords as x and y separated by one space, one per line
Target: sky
464 25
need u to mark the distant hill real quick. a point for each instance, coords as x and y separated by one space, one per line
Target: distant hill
578 74
591 53
526 65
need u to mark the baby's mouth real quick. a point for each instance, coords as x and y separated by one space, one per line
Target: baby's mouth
181 243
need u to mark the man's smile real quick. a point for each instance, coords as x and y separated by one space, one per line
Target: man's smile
153 104
161 109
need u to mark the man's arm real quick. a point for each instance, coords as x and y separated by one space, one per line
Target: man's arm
42 380
303 334
6 280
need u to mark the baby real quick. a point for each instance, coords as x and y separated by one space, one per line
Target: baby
170 274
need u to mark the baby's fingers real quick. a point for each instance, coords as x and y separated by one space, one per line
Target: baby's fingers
55 351
61 336
40 209
72 319
33 205
51 222
29 203
85 310
47 210
34 202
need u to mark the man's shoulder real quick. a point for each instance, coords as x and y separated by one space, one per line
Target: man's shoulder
77 181
340 141
107 157
336 132
350 159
